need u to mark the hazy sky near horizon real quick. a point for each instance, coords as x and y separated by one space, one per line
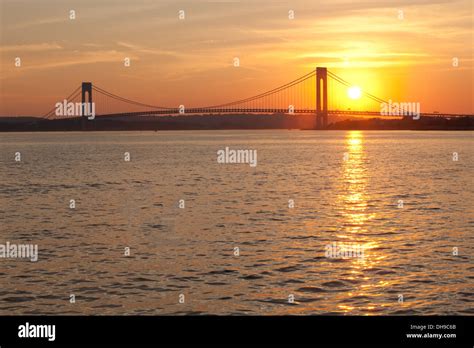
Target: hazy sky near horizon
190 61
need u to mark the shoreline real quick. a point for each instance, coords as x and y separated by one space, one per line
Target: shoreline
230 122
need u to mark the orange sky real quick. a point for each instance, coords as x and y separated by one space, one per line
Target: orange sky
190 61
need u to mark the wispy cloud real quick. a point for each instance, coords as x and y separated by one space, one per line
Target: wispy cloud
70 59
39 47
135 48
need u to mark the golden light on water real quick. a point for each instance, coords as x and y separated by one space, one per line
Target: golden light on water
354 143
355 178
356 215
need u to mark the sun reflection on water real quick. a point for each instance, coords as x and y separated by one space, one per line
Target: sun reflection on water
355 216
355 179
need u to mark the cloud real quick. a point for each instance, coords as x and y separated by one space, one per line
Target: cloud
31 47
147 50
37 22
70 59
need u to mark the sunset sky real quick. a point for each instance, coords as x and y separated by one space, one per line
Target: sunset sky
190 61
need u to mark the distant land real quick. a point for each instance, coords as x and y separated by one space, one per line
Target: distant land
234 121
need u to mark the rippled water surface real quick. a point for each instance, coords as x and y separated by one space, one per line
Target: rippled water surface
398 195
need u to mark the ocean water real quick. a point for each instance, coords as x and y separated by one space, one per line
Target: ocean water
220 238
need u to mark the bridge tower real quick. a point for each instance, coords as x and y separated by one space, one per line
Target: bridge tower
321 98
86 88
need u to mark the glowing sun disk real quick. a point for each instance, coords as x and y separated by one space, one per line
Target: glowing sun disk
354 92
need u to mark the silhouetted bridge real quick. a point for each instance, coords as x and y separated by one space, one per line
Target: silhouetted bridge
309 94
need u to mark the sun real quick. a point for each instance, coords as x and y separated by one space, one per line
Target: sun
354 92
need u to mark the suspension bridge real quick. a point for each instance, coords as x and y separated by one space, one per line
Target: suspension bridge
320 92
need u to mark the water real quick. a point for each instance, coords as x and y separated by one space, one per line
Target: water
408 251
